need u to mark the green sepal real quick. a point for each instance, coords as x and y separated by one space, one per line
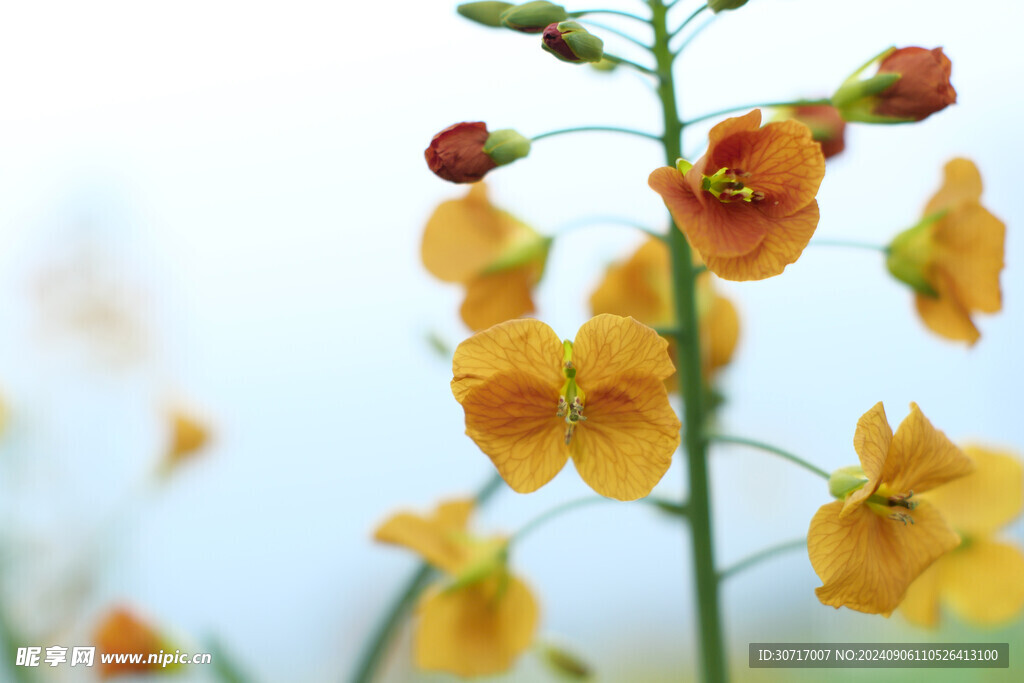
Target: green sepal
683 166
605 65
493 559
846 480
907 255
487 13
854 91
717 6
564 664
506 145
533 250
533 17
584 44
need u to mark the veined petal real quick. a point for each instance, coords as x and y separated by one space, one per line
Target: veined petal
866 561
784 241
945 315
921 457
608 346
985 500
626 444
983 582
464 235
969 250
496 297
712 227
527 346
961 183
783 160
871 443
920 605
512 418
735 124
437 539
476 630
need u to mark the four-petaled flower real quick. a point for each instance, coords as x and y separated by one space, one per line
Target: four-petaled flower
748 205
483 618
868 546
498 258
953 257
532 401
982 580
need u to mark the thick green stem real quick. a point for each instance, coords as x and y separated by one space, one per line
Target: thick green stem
712 646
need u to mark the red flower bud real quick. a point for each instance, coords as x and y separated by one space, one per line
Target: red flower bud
826 124
457 153
923 87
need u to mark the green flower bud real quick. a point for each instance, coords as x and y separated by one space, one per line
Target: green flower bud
570 42
533 17
487 13
505 146
717 6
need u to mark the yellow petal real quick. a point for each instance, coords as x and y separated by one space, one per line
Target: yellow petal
496 297
188 436
476 630
921 457
640 287
983 582
945 315
969 249
720 326
871 442
985 500
866 561
626 444
920 605
782 245
961 184
512 418
608 346
438 539
527 346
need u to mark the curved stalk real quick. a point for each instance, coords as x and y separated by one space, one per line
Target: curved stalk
763 105
587 129
761 556
768 448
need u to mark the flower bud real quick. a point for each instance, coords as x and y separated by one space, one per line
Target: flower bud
487 13
457 153
505 146
717 6
570 42
533 17
826 123
911 84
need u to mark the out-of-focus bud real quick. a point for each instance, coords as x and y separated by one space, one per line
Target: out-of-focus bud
717 6
564 663
826 124
910 253
570 42
604 64
533 17
465 152
506 145
911 84
487 13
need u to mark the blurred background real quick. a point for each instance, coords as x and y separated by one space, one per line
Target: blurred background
214 209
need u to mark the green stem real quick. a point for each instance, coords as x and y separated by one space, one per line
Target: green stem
587 129
686 22
821 242
8 650
618 13
691 380
557 511
764 105
761 556
370 660
693 34
627 62
588 221
768 448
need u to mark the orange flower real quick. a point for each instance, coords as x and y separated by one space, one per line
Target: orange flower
826 123
485 618
868 546
498 258
188 436
641 287
983 579
952 258
532 401
747 206
465 152
122 632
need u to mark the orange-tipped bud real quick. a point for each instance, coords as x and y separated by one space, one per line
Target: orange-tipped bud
923 87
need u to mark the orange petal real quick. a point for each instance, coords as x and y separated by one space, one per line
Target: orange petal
512 418
712 227
969 248
920 605
640 287
736 124
122 632
496 297
945 315
983 583
783 243
921 457
866 561
608 346
626 444
476 630
961 183
871 443
987 499
527 346
722 326
783 160
437 539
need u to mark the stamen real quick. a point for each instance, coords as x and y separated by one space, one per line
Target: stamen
903 501
902 517
573 414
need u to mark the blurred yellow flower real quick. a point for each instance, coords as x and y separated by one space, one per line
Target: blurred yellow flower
641 287
532 401
498 258
953 257
868 546
484 618
121 631
983 579
188 436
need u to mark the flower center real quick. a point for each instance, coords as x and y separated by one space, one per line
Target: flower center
729 185
896 506
570 402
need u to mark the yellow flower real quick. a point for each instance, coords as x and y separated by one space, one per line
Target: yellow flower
642 287
868 546
532 401
485 618
188 436
495 256
983 579
953 257
121 631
